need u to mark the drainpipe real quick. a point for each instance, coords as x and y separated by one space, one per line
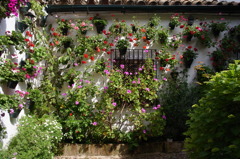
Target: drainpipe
146 8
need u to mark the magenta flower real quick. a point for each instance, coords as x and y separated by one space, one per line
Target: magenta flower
147 89
20 106
77 102
114 104
144 131
158 106
79 86
143 110
64 94
164 117
134 82
155 108
94 123
129 91
122 66
11 111
105 88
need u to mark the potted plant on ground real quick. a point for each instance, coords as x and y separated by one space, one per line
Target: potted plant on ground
217 27
99 23
122 45
189 55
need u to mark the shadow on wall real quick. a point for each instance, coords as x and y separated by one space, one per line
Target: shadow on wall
3 25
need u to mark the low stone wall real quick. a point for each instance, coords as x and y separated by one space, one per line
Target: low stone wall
160 150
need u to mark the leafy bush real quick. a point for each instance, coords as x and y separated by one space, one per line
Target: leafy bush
177 97
37 138
214 122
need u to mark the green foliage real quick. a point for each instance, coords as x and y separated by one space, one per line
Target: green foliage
76 112
204 73
214 122
177 97
122 43
98 21
36 138
10 72
127 104
163 35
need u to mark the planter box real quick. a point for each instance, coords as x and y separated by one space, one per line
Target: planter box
159 150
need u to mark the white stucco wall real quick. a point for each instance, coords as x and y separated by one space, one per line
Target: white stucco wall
9 24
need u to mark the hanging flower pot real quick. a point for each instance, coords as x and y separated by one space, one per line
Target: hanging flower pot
99 23
134 29
42 21
100 28
71 82
64 31
14 113
83 32
30 105
215 32
123 51
188 63
171 26
189 37
22 26
12 84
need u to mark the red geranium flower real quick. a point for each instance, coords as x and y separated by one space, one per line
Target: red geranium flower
85 55
84 62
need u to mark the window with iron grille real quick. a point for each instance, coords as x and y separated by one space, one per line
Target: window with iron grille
133 59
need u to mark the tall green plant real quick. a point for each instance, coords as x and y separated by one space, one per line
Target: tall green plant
214 122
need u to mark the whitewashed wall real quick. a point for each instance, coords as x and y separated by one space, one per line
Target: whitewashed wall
9 24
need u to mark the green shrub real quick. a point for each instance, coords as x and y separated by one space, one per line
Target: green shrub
177 97
214 122
36 138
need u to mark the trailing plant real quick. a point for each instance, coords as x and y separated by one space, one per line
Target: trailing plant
154 21
206 138
84 26
166 58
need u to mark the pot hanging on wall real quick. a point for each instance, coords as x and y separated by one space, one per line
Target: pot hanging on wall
30 105
42 21
100 27
187 62
189 37
171 26
22 26
12 84
64 31
83 32
215 32
123 51
15 113
134 29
